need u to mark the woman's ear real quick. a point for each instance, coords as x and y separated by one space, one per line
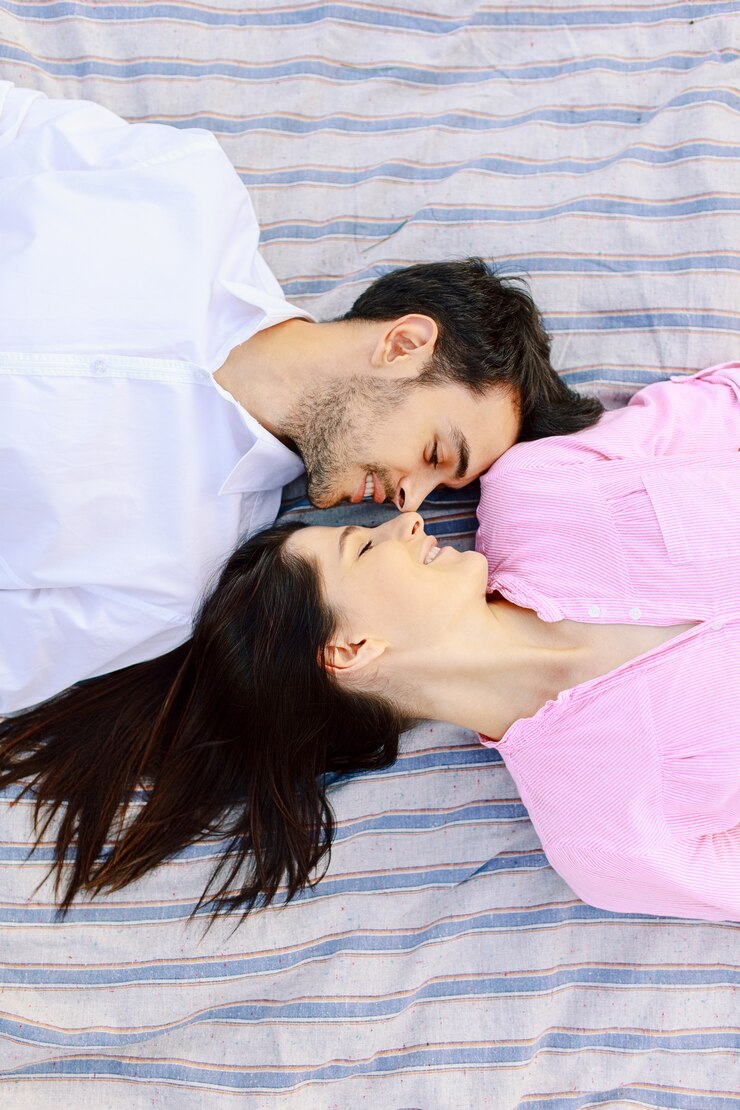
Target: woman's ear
410 335
342 658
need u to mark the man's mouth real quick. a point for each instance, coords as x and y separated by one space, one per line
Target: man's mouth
369 487
359 493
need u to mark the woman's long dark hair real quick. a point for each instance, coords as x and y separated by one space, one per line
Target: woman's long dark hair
229 734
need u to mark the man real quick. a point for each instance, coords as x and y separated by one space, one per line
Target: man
157 390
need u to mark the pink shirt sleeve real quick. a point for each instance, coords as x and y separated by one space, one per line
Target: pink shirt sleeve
697 878
682 416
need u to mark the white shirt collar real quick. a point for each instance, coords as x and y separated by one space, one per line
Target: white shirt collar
266 464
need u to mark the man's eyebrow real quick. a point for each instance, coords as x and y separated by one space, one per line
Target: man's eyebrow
462 448
344 536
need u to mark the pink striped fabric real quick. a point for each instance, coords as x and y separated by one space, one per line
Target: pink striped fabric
632 780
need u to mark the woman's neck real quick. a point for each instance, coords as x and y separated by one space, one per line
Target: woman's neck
501 665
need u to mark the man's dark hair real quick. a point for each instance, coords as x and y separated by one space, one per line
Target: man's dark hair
490 333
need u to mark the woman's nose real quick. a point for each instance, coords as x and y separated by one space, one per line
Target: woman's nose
402 527
405 525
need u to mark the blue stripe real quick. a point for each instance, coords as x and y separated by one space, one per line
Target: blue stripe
626 377
426 1058
109 912
319 1010
606 264
513 167
358 942
636 321
412 822
482 813
382 882
521 265
457 121
582 206
306 67
637 1095
508 17
440 758
446 758
524 265
631 321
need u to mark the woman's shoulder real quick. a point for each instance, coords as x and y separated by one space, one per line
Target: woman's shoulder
536 483
561 454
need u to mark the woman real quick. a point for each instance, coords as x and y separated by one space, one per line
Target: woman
319 645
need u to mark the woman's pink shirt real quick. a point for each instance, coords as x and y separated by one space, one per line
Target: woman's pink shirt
632 780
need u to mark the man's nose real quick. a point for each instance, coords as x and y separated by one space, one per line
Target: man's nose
411 493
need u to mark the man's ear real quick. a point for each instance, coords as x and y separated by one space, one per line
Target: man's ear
345 659
409 335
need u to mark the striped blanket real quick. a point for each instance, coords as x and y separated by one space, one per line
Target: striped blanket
440 964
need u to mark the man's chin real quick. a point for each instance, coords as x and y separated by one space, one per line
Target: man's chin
322 495
323 499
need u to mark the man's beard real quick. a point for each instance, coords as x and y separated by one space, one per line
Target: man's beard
333 426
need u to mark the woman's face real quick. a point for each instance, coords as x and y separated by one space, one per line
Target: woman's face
393 583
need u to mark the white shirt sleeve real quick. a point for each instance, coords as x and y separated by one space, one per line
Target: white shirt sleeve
52 638
39 135
135 238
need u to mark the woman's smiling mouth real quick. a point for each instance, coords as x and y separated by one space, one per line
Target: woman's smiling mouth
432 553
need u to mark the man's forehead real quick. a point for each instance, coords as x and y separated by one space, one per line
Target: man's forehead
438 412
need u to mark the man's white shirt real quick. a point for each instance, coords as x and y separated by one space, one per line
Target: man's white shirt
129 270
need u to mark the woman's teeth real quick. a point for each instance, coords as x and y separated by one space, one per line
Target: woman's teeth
432 555
369 486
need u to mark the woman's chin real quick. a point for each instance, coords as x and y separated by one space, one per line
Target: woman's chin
473 564
481 569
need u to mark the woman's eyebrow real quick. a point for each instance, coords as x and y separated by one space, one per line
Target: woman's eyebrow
344 535
462 449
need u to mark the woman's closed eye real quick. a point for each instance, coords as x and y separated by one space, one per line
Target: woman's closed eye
365 548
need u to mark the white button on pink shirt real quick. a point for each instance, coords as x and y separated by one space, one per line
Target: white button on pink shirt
632 780
129 269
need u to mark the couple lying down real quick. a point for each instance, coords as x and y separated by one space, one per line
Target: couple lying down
593 638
